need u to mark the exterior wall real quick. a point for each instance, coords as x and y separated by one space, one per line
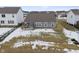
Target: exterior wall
20 16
59 17
44 24
8 17
71 18
77 18
24 15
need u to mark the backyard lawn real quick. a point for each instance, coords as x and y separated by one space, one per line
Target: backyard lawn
40 40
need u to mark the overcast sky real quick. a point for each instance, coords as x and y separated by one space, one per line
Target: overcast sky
48 8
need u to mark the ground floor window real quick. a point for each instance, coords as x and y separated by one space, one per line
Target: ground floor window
45 24
2 22
38 24
10 22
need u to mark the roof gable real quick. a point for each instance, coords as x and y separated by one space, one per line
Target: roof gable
75 11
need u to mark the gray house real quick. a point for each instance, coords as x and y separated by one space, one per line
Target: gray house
41 19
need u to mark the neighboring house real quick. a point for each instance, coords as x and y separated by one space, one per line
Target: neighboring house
25 14
73 16
41 19
61 15
11 16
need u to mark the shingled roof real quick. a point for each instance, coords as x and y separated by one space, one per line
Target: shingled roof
26 11
59 12
41 17
75 11
9 9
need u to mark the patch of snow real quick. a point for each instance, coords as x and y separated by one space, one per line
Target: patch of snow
46 47
69 41
59 49
4 30
20 32
66 50
18 44
33 46
78 45
73 51
71 34
38 42
34 43
44 30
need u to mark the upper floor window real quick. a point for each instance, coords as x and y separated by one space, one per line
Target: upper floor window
3 15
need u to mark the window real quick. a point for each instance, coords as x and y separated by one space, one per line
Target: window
38 24
11 22
52 24
55 15
2 22
71 16
45 24
13 16
3 15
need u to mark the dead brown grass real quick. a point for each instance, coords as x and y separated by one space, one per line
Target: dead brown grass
59 39
60 24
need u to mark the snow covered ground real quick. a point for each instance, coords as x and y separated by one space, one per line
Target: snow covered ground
45 45
71 34
34 44
4 30
20 32
70 42
71 51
